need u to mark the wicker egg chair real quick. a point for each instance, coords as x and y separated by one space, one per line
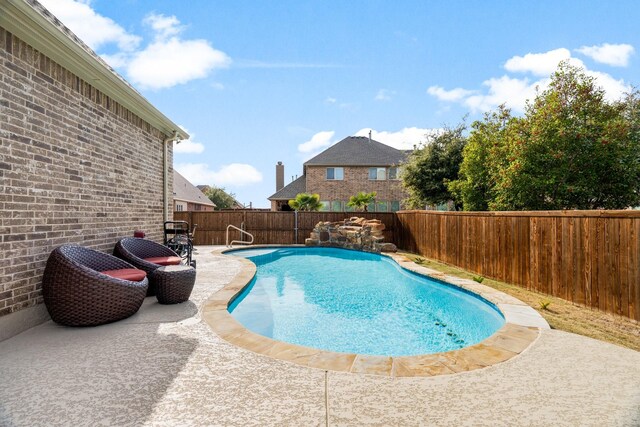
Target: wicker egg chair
146 255
84 287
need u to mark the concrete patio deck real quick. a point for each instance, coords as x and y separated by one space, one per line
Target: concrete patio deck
165 366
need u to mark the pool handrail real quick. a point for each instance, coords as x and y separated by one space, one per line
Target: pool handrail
242 242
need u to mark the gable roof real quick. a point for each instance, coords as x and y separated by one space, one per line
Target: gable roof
185 191
358 151
236 204
291 190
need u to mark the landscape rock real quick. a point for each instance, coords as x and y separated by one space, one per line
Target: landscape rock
387 247
351 233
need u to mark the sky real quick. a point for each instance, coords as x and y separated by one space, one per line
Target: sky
257 82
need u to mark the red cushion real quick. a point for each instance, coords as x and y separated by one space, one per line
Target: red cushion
131 274
165 260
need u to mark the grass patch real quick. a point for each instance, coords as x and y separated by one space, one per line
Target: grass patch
560 314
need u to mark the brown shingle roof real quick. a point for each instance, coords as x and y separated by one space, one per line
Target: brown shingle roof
291 190
187 192
358 151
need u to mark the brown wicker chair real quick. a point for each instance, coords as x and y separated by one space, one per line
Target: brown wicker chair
146 255
76 293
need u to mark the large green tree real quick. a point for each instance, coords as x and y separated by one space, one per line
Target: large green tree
483 157
572 150
306 202
431 166
220 197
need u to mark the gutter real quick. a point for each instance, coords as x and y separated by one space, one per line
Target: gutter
165 172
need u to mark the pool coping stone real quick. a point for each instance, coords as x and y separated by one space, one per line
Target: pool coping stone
521 328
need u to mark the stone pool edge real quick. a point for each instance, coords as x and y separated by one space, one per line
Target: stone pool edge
522 327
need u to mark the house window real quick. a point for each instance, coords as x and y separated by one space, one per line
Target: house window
336 206
377 174
178 207
335 174
382 206
371 207
395 206
394 172
348 208
325 206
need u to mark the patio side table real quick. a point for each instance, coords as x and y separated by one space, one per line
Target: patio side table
174 283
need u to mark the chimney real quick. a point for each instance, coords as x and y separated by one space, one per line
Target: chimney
279 176
369 136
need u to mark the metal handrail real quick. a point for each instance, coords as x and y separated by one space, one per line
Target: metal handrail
243 242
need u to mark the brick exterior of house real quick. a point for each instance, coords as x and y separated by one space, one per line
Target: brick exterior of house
356 179
180 206
75 167
355 156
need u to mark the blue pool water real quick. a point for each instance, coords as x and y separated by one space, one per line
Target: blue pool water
356 302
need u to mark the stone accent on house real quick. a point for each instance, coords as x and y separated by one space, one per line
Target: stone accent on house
75 167
352 233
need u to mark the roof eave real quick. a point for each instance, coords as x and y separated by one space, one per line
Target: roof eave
351 165
19 18
197 202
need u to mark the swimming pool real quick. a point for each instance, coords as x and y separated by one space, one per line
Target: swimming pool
356 302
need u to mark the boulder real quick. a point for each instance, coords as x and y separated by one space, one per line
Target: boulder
375 226
351 233
387 247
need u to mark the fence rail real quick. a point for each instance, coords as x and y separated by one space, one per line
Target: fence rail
272 227
587 257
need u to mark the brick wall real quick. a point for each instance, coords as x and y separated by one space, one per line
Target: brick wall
75 167
355 179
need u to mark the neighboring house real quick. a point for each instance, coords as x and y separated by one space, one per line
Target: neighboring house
236 204
84 158
187 197
352 165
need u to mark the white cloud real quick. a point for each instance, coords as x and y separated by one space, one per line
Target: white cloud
449 95
234 174
616 55
514 92
317 141
169 60
384 95
188 146
613 89
540 64
93 29
167 63
116 60
164 26
330 100
404 139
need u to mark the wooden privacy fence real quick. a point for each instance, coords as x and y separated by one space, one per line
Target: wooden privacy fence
271 227
587 257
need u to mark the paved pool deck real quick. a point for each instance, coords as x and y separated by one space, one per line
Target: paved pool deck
164 366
